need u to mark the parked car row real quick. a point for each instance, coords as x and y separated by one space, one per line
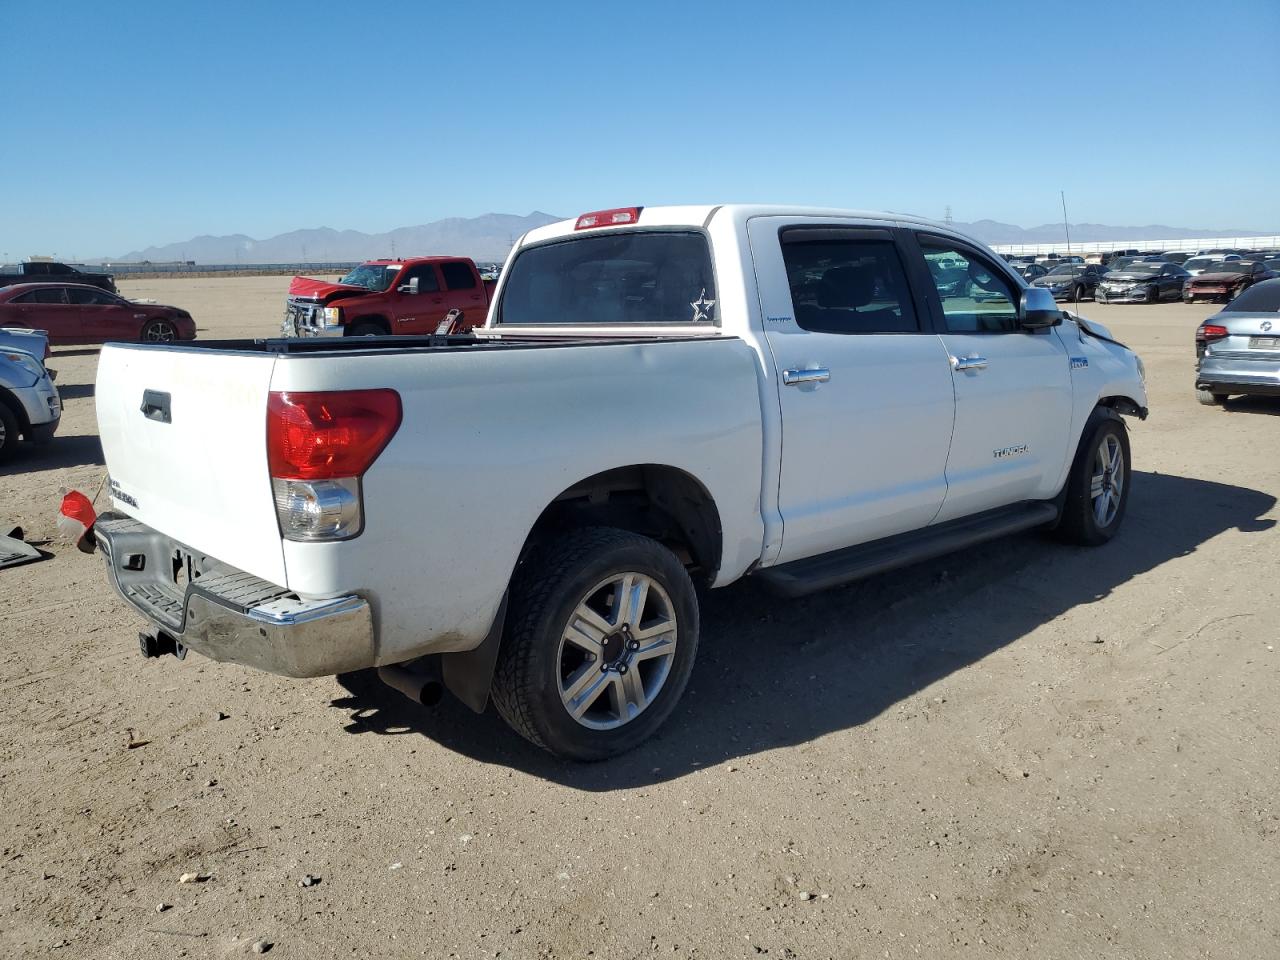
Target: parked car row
1153 279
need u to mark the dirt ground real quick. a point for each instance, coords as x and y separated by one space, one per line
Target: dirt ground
1020 750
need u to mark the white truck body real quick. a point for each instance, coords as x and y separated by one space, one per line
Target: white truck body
879 435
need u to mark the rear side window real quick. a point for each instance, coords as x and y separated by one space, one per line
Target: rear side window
1260 298
43 295
457 276
620 278
849 286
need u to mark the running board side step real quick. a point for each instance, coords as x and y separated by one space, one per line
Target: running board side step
800 577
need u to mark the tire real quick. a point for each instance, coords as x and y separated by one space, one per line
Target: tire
9 433
1211 399
1153 294
159 330
367 328
1084 521
542 674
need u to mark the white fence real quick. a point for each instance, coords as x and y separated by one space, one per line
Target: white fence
1187 246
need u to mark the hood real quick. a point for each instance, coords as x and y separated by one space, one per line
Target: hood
1218 277
322 289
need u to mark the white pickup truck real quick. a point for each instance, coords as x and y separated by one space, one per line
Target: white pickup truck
659 398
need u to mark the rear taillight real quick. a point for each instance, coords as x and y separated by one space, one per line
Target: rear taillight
617 217
1209 332
319 445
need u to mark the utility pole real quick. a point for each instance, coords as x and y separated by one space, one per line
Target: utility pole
946 217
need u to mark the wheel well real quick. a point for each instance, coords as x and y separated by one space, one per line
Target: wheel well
657 501
373 318
1124 405
14 407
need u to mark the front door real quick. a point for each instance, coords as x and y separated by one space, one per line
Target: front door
417 313
1012 386
104 316
863 385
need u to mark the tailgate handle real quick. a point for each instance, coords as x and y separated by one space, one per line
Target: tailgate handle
155 406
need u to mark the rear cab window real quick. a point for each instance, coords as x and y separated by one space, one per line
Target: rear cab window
458 276
631 278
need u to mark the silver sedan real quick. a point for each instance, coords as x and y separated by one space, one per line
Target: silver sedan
1238 349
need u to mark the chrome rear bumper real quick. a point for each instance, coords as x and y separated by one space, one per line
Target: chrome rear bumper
228 615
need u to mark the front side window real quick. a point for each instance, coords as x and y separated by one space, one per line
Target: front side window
848 286
636 278
94 298
425 274
975 297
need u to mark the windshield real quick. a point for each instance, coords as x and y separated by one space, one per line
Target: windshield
372 276
1229 266
1144 269
1066 271
632 277
1199 263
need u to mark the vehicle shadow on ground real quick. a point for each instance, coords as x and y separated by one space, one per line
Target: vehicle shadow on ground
75 391
59 453
1266 405
74 352
773 673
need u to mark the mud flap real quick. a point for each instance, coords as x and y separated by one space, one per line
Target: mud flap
469 674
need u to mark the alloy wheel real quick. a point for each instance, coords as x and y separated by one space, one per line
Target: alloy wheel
1107 485
159 331
616 651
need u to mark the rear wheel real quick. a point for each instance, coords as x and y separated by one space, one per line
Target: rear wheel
8 433
159 331
599 645
1098 485
1211 399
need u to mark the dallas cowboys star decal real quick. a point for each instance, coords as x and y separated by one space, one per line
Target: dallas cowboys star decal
702 307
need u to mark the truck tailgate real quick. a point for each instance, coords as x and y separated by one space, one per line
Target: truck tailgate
184 436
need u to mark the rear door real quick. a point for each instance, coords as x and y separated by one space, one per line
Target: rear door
1012 386
463 292
47 308
184 435
864 386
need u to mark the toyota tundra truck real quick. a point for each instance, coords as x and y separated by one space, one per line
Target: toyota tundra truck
660 399
421 295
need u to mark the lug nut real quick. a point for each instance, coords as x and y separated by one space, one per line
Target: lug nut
622 668
633 645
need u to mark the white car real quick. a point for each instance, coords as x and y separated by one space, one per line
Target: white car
659 398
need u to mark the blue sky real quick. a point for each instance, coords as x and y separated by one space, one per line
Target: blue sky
151 122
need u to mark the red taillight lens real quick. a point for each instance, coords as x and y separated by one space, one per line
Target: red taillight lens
617 217
323 436
1208 332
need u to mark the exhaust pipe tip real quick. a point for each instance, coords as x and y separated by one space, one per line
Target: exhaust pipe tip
423 684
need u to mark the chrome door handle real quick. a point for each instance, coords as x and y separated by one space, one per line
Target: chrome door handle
969 363
812 375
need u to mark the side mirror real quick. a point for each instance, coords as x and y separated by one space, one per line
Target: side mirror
1038 311
410 287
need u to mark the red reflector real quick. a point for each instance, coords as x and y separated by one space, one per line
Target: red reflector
1211 331
609 218
323 436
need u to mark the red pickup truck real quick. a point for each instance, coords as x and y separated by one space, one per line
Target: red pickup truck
413 296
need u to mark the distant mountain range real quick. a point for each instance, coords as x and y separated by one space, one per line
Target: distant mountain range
483 238
490 237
